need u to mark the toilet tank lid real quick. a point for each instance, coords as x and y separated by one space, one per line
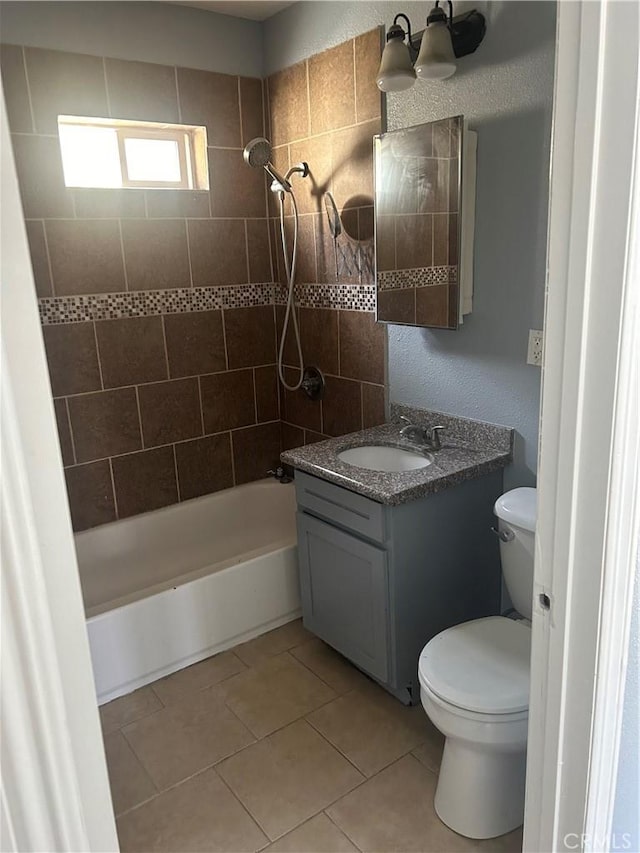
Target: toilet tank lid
518 507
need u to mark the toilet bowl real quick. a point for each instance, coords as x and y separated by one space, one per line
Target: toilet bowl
474 686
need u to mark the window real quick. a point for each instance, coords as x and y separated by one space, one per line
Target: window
113 153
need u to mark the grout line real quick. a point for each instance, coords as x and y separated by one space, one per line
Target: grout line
124 260
186 231
73 444
233 461
240 110
307 75
106 85
175 468
355 82
99 360
175 75
224 341
246 251
255 395
49 265
139 421
32 114
113 488
338 827
166 351
201 406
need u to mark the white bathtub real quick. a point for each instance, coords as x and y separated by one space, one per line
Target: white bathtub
171 587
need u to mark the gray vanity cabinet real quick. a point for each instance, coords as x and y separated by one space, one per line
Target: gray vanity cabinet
379 581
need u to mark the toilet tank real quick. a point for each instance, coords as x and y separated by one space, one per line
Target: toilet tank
517 512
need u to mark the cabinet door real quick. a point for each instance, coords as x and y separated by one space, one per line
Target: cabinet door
345 593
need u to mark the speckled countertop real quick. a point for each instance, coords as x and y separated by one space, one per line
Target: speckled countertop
469 449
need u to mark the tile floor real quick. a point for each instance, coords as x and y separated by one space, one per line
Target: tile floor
277 745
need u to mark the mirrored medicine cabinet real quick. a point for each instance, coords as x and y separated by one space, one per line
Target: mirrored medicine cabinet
424 202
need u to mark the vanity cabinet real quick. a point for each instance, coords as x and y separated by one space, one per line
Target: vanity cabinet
379 581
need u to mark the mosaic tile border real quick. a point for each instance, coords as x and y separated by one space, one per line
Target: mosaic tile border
56 310
418 277
348 297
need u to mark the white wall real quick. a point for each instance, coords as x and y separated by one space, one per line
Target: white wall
147 31
506 92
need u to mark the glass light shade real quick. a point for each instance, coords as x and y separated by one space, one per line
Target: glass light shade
436 60
396 71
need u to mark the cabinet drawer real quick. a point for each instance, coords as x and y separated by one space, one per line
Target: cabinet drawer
345 593
349 510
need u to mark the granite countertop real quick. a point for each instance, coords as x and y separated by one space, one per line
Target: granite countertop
469 449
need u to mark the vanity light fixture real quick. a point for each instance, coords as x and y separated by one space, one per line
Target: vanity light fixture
444 40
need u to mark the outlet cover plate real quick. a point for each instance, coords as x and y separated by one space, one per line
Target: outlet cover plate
534 352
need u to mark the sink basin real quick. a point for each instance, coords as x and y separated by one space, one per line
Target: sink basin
378 457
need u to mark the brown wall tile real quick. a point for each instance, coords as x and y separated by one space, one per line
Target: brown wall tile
259 250
104 424
311 437
40 176
252 108
178 204
414 241
368 50
266 382
170 411
204 466
72 358
397 306
195 343
212 100
341 406
145 481
319 334
317 153
288 104
250 335
255 451
131 351
290 354
14 83
352 164
362 346
440 239
235 188
86 256
90 493
218 252
142 91
39 257
291 436
64 432
64 83
296 408
331 88
432 305
155 253
228 400
373 410
91 203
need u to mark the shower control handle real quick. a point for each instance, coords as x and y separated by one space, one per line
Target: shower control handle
503 535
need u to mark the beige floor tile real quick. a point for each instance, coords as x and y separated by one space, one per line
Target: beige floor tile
371 728
328 665
130 782
275 692
273 643
175 687
128 708
318 835
288 777
430 752
200 814
186 737
394 811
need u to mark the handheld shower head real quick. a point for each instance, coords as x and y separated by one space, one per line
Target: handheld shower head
257 154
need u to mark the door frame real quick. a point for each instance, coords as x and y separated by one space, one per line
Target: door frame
587 531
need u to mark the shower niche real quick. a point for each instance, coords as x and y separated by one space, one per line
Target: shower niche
424 223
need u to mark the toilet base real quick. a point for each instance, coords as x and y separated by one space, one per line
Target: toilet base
480 792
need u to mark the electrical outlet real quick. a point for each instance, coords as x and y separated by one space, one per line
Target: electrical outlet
534 353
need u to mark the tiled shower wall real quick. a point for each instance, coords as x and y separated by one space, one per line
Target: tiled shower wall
159 308
325 111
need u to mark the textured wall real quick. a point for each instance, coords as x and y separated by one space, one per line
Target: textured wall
150 32
505 90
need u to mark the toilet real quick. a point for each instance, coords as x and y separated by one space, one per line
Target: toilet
474 686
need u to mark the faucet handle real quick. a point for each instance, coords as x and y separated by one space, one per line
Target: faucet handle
434 436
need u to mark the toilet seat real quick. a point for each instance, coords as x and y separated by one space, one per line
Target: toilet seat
480 666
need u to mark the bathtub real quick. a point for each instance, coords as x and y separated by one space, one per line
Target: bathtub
171 587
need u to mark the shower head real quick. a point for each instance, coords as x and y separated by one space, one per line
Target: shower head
257 154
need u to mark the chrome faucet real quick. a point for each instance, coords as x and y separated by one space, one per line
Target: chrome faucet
427 437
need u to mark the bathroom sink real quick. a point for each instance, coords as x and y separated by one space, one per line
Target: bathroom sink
379 457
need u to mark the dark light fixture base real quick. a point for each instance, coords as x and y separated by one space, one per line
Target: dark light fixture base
467 31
